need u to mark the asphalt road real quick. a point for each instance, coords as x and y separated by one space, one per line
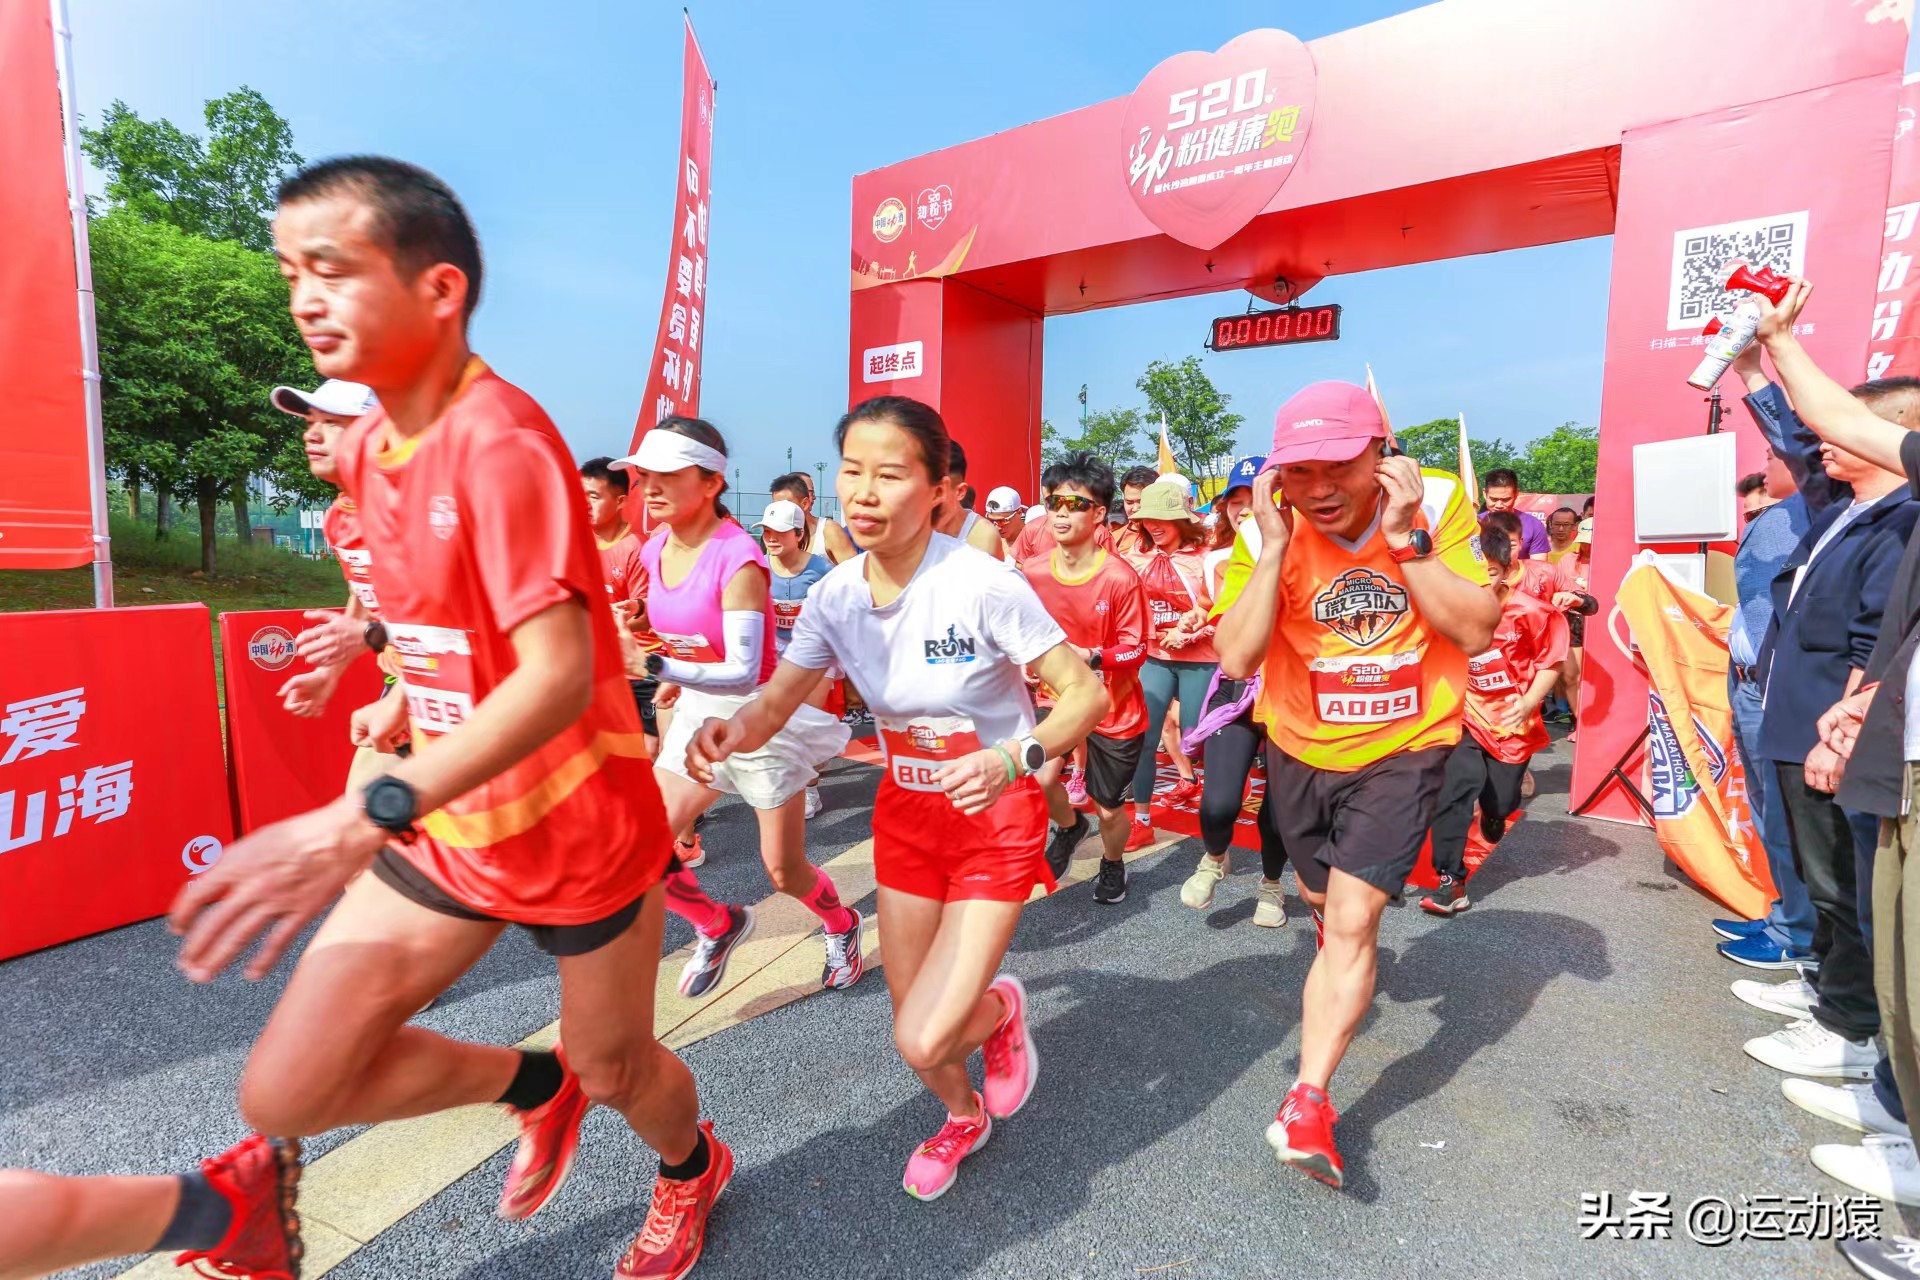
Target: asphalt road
1571 1034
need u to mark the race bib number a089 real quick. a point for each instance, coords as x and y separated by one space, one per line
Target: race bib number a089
920 747
1363 690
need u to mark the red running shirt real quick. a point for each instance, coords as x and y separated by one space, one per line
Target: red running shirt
1105 610
342 529
475 526
1530 637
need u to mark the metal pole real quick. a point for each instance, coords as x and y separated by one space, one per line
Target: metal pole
89 341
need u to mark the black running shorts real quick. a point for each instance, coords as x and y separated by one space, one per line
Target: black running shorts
643 691
1110 766
407 880
1369 823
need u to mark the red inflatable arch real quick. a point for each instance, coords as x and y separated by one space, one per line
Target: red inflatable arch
1689 132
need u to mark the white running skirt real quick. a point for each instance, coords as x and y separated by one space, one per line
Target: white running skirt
769 777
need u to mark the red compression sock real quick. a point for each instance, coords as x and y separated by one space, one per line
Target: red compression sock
824 902
686 899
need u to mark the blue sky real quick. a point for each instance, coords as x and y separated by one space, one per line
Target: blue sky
557 124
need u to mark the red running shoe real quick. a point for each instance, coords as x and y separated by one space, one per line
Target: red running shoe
676 1230
549 1140
1139 835
1185 789
1302 1134
691 853
260 1178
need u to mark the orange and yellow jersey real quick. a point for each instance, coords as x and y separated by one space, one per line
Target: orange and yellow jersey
475 526
1354 673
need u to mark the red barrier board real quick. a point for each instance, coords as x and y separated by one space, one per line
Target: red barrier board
112 785
282 764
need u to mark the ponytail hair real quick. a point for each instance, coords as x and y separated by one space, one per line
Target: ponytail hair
703 432
920 421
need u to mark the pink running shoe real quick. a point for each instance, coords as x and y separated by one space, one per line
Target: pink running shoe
1012 1066
932 1168
1077 789
549 1140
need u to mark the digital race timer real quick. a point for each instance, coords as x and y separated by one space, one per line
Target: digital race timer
1275 328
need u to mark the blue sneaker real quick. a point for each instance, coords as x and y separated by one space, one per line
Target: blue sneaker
1740 928
1762 952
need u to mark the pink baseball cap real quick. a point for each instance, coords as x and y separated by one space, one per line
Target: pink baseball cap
1325 422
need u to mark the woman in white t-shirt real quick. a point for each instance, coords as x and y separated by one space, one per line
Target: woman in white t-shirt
936 635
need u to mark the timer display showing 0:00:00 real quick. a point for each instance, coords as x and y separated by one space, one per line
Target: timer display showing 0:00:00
1273 328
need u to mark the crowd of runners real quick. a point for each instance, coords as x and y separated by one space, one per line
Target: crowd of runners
565 699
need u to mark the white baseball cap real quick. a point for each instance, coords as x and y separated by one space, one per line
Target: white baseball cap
782 517
347 399
1003 502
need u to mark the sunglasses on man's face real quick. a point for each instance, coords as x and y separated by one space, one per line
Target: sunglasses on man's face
1070 502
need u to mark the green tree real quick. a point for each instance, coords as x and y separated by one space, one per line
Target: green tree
1112 435
192 333
222 187
1437 444
1565 460
1199 427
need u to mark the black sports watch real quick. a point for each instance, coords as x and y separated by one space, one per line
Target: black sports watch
1093 660
1419 547
376 636
656 665
391 804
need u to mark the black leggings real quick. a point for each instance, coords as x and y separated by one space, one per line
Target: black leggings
1230 753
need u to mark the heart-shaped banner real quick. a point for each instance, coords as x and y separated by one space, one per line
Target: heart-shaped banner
933 206
1210 138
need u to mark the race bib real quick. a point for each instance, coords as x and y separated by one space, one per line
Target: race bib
786 613
693 648
1365 690
919 747
1490 673
437 665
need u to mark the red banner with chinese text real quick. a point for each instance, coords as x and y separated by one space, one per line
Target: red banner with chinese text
46 519
283 764
1895 347
113 790
673 375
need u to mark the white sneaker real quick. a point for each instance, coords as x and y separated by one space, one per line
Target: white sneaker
1197 892
814 804
1270 912
1882 1165
1854 1105
1808 1049
1793 998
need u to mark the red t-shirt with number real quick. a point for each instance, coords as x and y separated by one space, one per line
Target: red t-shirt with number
475 526
1530 637
341 526
1105 610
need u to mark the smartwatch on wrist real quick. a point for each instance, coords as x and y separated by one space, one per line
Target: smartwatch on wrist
376 636
1032 755
391 805
655 664
1419 547
1093 660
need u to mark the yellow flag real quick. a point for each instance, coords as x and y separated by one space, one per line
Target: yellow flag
1166 461
1468 476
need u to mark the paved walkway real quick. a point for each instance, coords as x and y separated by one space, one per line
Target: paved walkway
1571 1034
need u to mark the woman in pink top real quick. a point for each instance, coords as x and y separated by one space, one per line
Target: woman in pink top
709 600
1180 657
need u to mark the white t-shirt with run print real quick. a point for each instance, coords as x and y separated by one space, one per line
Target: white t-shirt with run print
940 667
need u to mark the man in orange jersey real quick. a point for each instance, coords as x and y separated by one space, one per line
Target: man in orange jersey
528 800
606 488
1097 599
1357 592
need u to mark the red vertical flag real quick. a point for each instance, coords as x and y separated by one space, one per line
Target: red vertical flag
673 375
1894 350
46 517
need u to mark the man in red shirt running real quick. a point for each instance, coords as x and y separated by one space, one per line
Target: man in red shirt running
1097 599
606 487
495 603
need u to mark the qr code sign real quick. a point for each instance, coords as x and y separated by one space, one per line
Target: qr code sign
1700 254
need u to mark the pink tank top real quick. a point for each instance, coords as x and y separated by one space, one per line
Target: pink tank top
687 617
